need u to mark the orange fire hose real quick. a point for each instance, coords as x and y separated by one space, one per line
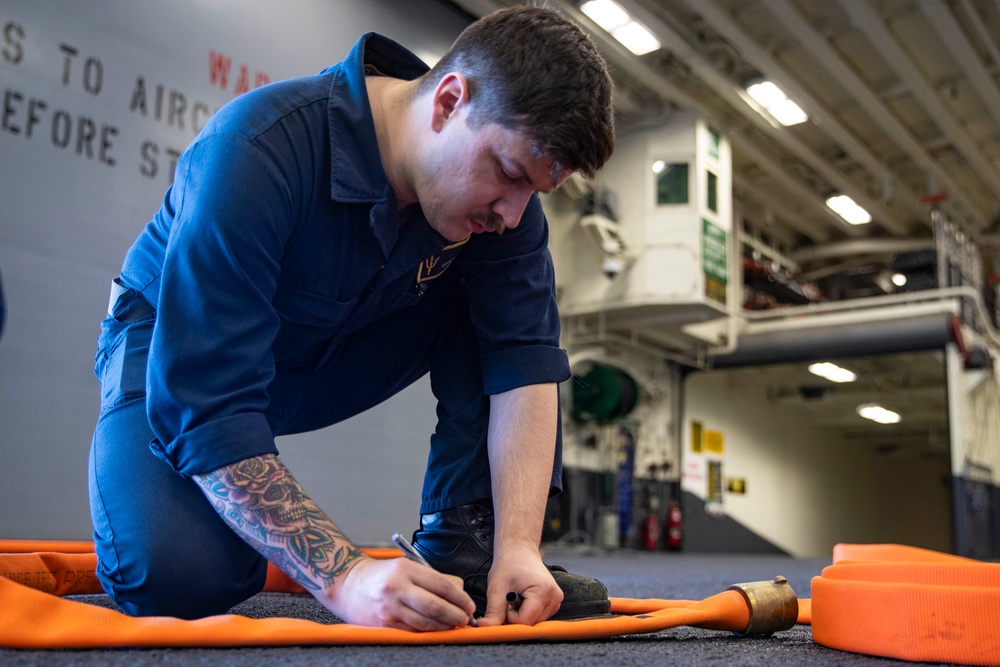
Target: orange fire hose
884 600
908 603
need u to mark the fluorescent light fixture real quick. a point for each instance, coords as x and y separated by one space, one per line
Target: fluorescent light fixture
637 38
832 372
766 93
848 209
609 15
776 103
788 113
898 279
877 413
606 13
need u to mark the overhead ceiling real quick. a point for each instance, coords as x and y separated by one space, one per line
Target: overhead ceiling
903 98
910 384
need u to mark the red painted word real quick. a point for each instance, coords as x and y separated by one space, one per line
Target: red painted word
220 66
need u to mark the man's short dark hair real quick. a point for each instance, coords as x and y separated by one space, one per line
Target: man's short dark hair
531 69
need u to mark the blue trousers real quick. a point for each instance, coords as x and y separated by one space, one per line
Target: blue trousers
163 550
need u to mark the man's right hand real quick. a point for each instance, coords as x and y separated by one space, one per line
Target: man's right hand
260 500
398 593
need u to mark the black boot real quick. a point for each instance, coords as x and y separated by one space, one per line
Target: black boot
459 541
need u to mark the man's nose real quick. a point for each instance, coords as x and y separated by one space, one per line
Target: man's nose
511 206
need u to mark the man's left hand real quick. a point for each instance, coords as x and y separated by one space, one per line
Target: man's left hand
518 568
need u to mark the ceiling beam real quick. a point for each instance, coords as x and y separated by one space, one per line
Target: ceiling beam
794 187
981 31
743 104
971 65
757 56
793 220
622 57
855 248
817 45
874 28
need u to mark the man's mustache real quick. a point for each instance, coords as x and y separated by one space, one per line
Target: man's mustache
490 220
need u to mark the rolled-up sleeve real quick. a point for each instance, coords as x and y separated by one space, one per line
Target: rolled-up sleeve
510 282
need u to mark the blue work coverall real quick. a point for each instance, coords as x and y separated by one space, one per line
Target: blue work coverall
277 291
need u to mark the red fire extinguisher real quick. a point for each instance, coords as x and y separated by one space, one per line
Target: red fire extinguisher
651 527
675 530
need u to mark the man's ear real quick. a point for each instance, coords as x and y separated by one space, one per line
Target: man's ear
450 95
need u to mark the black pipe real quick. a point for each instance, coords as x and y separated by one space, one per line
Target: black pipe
926 332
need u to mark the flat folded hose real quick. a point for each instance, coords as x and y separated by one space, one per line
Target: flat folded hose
908 603
884 600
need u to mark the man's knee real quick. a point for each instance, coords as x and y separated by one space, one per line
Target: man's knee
185 581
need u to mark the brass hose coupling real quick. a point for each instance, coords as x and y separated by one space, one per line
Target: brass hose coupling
773 606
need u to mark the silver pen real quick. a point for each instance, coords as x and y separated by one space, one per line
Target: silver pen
412 554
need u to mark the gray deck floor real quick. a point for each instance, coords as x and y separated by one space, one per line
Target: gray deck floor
626 574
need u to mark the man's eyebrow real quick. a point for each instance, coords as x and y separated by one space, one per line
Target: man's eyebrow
526 176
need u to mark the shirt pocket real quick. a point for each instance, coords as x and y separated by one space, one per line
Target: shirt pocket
308 322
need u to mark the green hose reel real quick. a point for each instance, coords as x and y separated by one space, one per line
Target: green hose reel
604 393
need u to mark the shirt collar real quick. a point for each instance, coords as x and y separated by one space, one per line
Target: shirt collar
355 168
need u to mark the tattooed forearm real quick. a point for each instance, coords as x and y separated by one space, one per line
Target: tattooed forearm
268 508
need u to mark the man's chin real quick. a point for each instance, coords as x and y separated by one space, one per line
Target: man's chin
453 231
458 233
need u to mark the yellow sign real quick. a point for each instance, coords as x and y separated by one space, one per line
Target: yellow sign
712 442
696 438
